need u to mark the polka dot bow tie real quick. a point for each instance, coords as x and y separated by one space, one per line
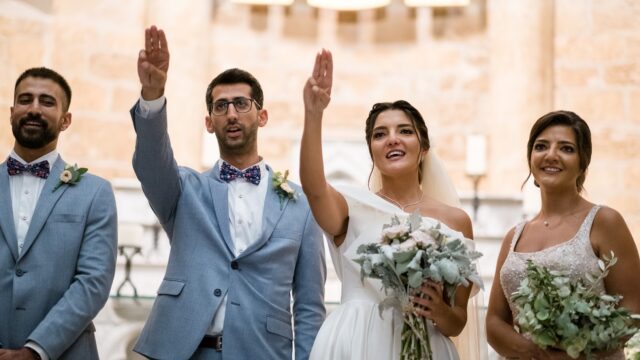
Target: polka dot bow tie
15 167
229 173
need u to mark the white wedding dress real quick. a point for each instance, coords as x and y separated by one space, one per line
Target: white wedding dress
355 330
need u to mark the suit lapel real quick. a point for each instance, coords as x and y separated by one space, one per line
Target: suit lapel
6 212
219 195
271 214
46 202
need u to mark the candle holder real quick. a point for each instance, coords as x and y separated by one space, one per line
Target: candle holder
475 202
476 166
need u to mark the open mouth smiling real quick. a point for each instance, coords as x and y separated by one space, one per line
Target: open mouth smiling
395 154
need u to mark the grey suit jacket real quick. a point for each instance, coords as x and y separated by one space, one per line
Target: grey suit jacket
51 291
288 258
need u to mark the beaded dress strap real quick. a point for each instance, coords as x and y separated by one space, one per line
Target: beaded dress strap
585 228
516 235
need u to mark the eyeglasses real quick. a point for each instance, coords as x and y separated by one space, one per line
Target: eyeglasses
241 104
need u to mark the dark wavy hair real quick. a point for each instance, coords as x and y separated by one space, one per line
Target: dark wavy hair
580 129
412 113
46 73
235 76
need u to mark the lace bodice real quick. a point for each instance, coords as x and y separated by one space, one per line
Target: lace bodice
575 256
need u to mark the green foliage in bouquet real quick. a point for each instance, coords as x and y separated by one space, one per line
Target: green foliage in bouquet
404 257
571 316
632 348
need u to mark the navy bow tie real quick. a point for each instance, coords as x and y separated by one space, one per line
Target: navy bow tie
15 167
229 173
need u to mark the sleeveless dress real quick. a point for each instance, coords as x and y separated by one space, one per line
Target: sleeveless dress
574 256
355 330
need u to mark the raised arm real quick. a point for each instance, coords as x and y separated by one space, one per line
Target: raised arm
153 63
153 159
329 207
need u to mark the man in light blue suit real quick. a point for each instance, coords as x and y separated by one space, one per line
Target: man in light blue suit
241 246
57 232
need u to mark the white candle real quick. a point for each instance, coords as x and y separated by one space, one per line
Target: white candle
476 162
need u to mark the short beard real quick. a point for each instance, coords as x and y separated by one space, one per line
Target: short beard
33 139
240 148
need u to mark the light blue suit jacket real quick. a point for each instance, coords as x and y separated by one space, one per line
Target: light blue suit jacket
288 258
51 291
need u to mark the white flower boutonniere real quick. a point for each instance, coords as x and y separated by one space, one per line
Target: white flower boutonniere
281 186
71 175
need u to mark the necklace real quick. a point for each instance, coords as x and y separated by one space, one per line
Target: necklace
545 222
402 207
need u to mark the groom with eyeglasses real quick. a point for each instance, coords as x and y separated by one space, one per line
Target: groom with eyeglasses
241 247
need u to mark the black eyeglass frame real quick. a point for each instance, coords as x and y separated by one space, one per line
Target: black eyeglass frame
233 101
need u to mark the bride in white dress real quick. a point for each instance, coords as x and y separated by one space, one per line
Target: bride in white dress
399 146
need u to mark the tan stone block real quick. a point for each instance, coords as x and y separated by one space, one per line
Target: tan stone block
633 222
575 76
626 204
634 106
572 17
71 48
112 66
273 150
89 95
614 143
6 138
615 15
588 49
593 105
477 85
627 74
124 98
130 13
632 175
93 140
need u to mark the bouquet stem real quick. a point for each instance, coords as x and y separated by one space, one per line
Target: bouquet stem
415 338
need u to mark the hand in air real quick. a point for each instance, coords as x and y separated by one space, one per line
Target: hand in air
317 89
153 63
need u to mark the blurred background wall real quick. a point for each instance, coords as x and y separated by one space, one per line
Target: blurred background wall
480 73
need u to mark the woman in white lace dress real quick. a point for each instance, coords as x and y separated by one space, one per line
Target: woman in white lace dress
568 234
399 145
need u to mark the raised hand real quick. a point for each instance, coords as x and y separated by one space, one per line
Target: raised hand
317 89
153 63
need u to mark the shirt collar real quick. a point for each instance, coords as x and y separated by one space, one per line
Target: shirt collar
49 157
261 164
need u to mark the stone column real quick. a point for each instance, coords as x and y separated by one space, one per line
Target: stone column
521 85
187 25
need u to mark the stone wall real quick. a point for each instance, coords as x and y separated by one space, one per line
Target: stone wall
597 75
492 67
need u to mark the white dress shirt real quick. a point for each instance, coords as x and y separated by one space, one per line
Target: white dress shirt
246 204
25 191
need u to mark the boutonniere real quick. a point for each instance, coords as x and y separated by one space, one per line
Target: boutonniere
282 188
71 175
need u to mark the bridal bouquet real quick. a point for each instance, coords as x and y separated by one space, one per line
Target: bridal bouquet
632 349
571 316
403 258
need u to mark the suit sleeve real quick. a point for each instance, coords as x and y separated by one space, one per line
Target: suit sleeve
89 291
154 164
308 289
